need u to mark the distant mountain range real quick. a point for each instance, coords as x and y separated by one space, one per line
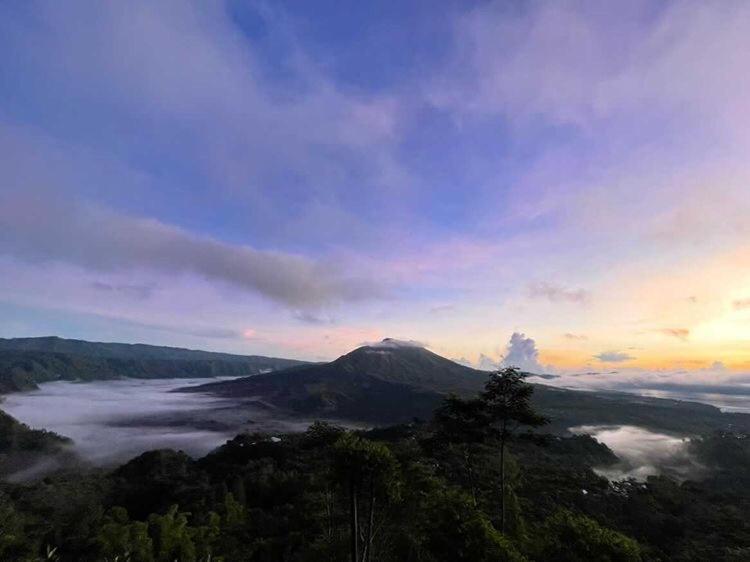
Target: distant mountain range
25 362
394 381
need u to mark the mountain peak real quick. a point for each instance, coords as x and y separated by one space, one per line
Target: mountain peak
388 380
394 343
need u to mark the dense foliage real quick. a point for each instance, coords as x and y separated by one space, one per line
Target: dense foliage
401 493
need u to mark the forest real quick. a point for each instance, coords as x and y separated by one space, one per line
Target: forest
480 481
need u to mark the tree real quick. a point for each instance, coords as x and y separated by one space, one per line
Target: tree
369 470
458 531
507 406
495 417
11 530
462 423
236 536
568 537
121 538
171 534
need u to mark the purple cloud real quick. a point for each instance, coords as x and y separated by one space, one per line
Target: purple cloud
613 357
557 293
39 230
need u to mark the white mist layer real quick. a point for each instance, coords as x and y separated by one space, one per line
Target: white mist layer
103 417
642 453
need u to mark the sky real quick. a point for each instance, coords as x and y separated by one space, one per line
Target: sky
560 185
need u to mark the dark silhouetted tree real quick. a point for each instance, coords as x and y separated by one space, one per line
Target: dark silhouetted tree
462 424
507 407
494 418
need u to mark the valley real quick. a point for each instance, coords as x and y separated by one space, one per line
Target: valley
111 416
119 453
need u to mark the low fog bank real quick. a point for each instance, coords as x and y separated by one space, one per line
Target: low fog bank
727 399
728 392
113 421
643 453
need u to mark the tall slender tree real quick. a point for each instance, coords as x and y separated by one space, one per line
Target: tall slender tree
507 406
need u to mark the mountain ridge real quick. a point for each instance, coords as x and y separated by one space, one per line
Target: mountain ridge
26 362
57 344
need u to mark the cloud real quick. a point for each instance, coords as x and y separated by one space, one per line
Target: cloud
188 330
613 357
307 317
718 366
575 337
279 138
463 361
113 421
139 292
37 229
260 143
442 309
545 376
557 293
521 352
201 332
393 343
643 453
562 60
714 384
486 363
741 304
676 72
679 333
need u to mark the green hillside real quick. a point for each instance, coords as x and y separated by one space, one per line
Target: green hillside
25 362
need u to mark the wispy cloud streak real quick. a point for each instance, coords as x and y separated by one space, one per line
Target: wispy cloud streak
35 229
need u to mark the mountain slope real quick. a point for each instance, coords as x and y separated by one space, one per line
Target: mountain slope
392 382
25 362
372 383
401 363
22 447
